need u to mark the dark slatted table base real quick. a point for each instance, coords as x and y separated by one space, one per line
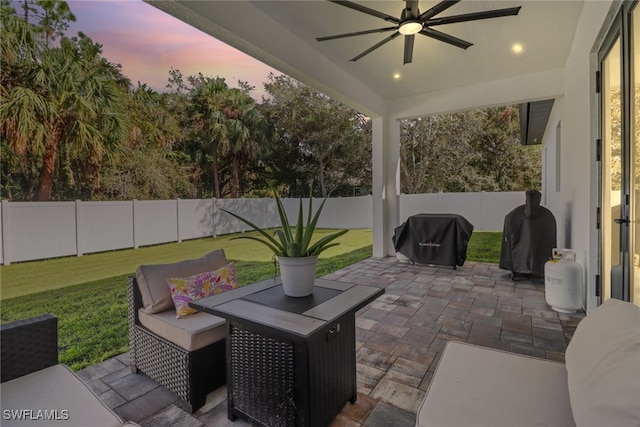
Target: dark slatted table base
263 378
332 370
272 380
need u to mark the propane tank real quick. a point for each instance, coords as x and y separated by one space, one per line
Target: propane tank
563 281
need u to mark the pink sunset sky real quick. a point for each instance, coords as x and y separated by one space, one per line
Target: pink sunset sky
148 43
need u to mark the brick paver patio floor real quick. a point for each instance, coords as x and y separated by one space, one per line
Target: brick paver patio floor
399 339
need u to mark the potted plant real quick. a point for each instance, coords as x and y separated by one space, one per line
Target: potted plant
298 257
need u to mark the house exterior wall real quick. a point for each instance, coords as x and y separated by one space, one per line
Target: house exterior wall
576 115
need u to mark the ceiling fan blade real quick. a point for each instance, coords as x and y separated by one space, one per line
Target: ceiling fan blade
364 9
440 7
408 48
375 46
357 33
473 16
434 34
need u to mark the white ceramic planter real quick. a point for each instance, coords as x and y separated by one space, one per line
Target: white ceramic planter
298 275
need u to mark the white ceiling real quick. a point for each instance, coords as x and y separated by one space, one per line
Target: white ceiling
283 35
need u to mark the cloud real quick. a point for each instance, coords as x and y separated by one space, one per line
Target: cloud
147 43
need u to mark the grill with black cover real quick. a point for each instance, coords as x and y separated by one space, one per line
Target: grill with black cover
434 238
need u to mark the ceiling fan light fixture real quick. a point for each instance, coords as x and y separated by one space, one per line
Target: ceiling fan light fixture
410 27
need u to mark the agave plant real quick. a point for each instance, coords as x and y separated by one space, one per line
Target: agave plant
293 242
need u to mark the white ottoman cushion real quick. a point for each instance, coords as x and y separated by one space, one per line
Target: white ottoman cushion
480 387
66 399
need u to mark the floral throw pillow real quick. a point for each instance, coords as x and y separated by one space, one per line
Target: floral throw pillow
187 289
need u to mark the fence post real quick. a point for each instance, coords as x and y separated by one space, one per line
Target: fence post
178 220
483 210
6 241
79 228
214 231
134 205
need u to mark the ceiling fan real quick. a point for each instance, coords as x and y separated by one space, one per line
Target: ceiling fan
412 22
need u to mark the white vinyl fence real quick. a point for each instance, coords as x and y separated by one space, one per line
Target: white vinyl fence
486 211
40 230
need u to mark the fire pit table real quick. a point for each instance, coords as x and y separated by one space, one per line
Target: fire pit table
290 361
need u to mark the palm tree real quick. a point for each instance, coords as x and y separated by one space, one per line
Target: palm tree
247 131
208 122
148 166
66 101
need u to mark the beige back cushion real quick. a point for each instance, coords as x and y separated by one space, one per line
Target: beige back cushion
152 279
603 366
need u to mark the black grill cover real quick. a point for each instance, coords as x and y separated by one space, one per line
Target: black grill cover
439 239
528 238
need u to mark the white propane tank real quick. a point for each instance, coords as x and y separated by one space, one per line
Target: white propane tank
563 282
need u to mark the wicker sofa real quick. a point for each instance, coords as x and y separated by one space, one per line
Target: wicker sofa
187 356
599 385
36 389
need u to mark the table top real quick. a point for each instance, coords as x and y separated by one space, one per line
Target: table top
265 303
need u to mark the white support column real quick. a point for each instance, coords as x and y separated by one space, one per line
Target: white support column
386 188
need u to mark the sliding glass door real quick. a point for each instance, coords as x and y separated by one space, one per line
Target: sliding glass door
611 158
619 80
634 137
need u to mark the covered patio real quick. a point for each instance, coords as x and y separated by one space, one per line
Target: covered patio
399 339
547 52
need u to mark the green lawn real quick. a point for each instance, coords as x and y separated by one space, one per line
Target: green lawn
484 246
88 293
30 277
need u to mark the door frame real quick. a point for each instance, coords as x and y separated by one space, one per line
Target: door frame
618 26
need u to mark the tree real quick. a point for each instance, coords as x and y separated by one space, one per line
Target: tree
467 151
208 124
62 107
148 166
436 155
50 18
247 134
321 141
227 132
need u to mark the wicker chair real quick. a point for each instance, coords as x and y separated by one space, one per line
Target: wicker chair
189 374
28 345
32 380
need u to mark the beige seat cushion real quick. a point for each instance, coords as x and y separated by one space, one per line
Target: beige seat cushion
54 388
191 333
480 387
603 364
152 279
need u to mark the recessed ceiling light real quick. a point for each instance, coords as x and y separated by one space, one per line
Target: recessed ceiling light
517 48
396 76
